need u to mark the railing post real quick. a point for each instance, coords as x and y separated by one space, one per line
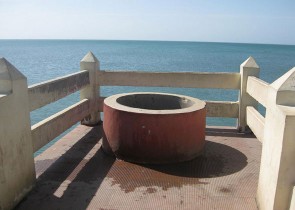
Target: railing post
92 91
248 68
17 171
277 169
292 205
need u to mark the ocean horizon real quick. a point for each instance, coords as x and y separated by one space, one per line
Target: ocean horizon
151 40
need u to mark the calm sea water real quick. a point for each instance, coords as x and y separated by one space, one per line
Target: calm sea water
41 60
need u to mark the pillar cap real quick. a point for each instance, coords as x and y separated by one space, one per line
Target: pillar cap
8 74
8 68
285 82
285 89
250 63
89 57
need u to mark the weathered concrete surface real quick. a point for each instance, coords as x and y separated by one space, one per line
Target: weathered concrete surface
146 127
222 109
220 80
92 91
47 92
256 122
17 174
213 108
51 127
75 174
277 173
248 68
258 89
285 86
292 206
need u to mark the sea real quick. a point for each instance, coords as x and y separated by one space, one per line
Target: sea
41 60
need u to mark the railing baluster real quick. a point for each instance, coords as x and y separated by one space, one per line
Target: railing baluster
17 171
248 68
92 91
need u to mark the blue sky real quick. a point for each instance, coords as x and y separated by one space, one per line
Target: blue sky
182 20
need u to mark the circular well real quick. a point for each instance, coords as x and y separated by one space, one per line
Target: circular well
154 127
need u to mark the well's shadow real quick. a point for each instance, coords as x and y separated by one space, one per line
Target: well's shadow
217 160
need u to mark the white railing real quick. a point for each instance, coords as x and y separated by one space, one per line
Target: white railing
258 89
46 130
47 92
277 133
179 79
276 130
89 80
169 79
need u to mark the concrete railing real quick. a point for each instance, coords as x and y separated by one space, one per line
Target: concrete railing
277 133
179 79
17 100
17 171
255 120
19 140
169 79
47 92
292 204
89 80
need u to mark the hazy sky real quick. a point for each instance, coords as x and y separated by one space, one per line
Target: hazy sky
250 21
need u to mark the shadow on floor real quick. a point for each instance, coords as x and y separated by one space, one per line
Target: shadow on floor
218 160
75 178
228 132
72 180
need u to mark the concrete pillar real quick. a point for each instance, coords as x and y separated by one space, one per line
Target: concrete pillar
277 170
92 91
248 68
17 171
292 205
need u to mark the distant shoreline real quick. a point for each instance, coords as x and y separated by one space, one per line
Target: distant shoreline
126 40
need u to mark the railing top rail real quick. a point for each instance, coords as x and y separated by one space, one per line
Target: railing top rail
254 84
216 80
49 91
169 72
50 81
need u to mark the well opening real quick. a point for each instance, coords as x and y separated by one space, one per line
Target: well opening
155 101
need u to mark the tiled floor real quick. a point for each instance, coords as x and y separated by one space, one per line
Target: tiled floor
75 174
